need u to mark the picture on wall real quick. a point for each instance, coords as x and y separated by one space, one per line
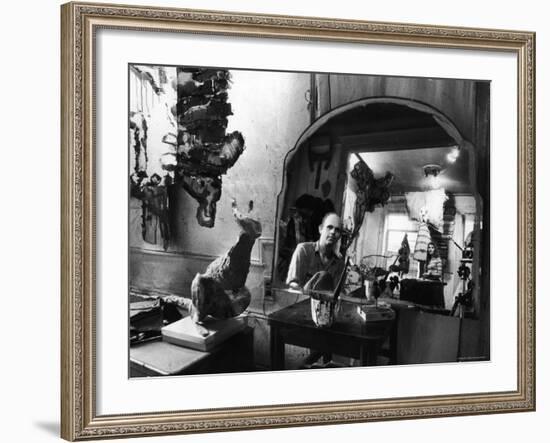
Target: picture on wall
286 220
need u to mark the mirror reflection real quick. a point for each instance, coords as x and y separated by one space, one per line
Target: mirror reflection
302 220
403 185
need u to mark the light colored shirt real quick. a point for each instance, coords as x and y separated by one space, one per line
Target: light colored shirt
434 267
306 262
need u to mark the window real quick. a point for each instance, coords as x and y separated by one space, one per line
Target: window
397 225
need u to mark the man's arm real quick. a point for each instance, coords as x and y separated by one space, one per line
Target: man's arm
296 270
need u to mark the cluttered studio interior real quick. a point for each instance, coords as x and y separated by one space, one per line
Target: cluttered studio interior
283 220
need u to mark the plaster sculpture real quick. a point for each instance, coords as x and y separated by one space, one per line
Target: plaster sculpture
221 292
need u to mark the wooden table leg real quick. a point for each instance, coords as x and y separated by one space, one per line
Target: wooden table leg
277 349
369 353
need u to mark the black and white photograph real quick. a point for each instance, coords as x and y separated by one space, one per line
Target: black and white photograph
283 220
275 221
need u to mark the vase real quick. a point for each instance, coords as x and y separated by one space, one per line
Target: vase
324 309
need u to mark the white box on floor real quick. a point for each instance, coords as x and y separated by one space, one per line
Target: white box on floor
186 332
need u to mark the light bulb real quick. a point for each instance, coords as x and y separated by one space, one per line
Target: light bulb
453 155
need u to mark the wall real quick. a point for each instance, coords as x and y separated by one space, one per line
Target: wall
454 98
30 384
257 98
463 102
465 211
156 109
371 237
304 173
173 272
270 111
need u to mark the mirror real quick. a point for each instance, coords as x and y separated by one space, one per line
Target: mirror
436 205
419 181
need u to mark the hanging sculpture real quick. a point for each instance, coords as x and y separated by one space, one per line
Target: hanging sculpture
369 192
207 191
205 152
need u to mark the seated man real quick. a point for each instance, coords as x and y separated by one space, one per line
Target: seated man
310 258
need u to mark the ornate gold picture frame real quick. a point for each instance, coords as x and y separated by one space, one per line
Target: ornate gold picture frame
81 22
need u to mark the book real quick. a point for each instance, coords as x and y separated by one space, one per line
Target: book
376 313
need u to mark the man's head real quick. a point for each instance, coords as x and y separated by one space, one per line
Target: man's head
330 230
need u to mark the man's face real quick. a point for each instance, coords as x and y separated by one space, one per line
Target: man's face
431 249
330 230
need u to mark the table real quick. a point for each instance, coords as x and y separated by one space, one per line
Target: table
162 358
349 336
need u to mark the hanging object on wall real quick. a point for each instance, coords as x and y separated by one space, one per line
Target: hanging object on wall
320 156
155 208
204 150
369 191
221 292
326 187
154 157
206 191
138 135
170 139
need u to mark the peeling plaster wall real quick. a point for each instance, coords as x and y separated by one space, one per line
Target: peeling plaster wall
270 110
156 110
